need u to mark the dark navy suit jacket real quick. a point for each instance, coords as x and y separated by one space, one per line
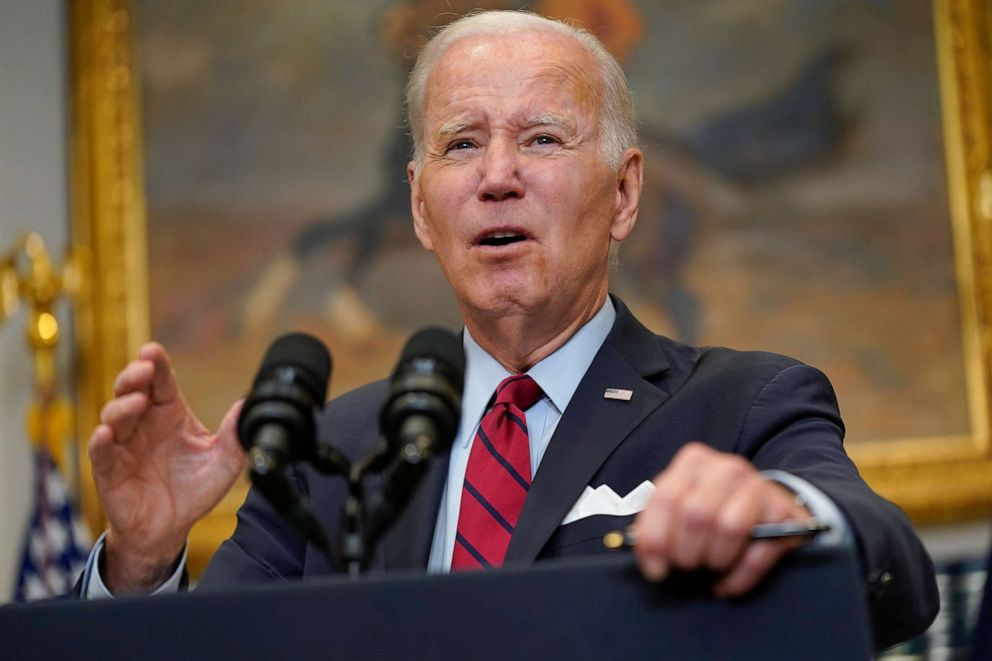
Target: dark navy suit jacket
775 411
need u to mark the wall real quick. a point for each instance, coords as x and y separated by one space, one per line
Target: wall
33 195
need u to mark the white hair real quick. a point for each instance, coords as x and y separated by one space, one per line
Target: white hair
618 129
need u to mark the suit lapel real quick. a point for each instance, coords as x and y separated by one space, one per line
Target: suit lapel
590 429
407 544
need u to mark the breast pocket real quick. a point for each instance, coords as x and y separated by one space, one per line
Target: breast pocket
585 536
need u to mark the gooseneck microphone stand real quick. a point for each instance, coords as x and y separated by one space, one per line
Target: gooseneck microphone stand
354 550
363 527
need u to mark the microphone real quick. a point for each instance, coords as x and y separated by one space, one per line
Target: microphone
276 425
419 417
424 401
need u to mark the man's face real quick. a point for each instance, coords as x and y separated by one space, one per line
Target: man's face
513 195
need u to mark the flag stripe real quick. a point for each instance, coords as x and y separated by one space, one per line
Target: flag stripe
54 546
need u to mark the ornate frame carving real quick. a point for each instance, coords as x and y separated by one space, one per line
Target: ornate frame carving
947 478
934 479
108 212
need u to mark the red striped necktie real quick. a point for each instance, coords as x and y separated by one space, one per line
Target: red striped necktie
497 477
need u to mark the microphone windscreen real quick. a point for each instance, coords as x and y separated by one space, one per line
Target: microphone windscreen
439 344
303 352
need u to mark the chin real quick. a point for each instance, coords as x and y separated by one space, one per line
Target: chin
497 301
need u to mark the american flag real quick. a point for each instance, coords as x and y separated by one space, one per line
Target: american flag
56 544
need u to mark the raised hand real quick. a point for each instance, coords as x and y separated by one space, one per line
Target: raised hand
700 516
157 470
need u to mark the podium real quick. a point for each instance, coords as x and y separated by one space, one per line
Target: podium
811 607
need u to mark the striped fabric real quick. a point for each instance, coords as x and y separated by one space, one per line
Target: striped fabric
497 477
56 543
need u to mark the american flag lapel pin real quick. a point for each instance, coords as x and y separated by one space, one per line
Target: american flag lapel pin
621 394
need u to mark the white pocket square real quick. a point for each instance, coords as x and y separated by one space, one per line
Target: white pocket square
604 500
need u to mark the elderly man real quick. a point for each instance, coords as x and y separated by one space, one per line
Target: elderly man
525 174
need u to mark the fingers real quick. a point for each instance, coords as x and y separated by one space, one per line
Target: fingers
655 526
135 377
164 387
142 382
701 526
151 373
757 560
227 438
682 521
732 527
123 413
701 513
100 444
229 424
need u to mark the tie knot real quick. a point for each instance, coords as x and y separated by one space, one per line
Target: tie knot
519 390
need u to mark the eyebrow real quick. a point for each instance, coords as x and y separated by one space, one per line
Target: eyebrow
454 127
550 119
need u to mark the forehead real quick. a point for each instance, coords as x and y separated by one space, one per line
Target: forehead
530 72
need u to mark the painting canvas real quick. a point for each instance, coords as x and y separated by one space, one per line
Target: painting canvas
795 189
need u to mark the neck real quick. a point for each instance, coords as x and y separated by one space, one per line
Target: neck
520 340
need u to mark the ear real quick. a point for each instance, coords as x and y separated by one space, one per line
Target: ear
630 179
420 226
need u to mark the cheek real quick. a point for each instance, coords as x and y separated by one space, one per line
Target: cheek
446 202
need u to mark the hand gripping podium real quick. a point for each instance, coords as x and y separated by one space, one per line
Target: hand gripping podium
812 607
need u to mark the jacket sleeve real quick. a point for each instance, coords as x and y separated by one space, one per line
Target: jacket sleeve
263 546
794 425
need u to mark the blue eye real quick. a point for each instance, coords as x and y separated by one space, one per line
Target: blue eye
545 140
461 144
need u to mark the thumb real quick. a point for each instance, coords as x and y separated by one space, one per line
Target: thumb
227 433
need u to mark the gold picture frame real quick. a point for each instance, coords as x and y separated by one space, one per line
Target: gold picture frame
935 478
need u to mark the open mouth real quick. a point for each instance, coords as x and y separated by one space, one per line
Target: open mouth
501 238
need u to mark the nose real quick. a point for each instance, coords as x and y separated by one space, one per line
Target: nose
500 172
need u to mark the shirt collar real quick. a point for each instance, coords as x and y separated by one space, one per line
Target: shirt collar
558 374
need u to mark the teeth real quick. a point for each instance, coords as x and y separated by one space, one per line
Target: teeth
502 238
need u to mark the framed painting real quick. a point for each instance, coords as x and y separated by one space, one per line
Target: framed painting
819 183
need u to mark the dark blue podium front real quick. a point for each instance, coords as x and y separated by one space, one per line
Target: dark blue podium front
811 608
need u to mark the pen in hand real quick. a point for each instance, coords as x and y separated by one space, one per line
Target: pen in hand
618 539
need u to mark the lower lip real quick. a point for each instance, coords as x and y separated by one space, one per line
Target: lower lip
505 249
